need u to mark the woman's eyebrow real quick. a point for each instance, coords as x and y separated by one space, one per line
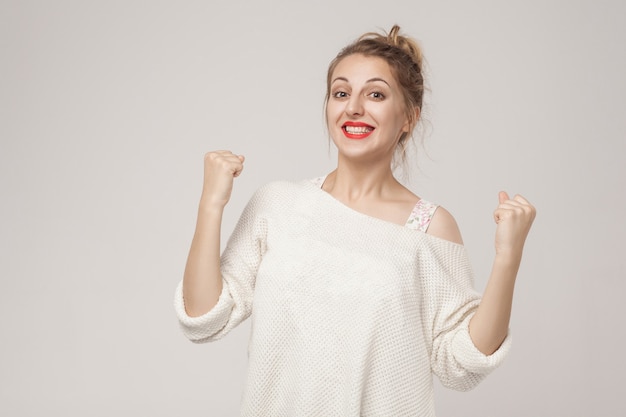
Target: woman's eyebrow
368 81
377 79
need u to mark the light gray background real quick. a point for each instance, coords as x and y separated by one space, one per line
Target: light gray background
106 110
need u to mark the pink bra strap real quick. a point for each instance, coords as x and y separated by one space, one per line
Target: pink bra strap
318 181
421 215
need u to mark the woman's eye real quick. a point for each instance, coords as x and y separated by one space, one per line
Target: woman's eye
340 94
377 95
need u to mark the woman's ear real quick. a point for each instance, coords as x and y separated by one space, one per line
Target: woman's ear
408 126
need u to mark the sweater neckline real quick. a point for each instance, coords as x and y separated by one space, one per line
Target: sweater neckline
319 182
312 183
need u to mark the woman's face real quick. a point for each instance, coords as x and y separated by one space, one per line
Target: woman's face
365 110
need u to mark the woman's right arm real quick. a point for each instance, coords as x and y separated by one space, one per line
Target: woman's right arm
202 281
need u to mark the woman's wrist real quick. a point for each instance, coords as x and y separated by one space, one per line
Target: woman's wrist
508 256
209 205
506 264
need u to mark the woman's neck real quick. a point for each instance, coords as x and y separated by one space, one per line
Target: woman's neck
352 183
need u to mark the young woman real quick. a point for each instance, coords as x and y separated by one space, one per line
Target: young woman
358 290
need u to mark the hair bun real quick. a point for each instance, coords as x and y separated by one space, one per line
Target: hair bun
408 45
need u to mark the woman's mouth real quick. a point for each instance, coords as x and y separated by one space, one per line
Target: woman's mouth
356 130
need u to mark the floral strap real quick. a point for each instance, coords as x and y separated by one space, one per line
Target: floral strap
421 215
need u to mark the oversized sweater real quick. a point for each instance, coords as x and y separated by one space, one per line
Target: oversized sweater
351 315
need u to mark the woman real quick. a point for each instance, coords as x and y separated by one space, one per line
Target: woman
361 290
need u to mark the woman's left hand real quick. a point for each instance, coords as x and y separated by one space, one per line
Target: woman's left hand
513 217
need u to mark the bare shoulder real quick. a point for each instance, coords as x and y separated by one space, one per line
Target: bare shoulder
443 226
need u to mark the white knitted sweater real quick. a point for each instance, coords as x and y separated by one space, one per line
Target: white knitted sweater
351 315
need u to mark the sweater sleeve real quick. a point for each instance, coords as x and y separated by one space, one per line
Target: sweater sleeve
449 303
239 264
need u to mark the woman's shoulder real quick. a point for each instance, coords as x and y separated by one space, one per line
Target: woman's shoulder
281 191
287 185
444 226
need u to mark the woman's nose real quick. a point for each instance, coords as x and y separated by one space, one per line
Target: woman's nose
354 106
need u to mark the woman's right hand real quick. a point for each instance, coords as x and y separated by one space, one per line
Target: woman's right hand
220 168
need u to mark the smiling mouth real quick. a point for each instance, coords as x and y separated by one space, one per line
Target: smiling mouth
354 130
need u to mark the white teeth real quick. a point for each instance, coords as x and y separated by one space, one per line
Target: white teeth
358 129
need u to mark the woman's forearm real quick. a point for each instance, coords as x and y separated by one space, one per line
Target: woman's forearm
489 325
202 282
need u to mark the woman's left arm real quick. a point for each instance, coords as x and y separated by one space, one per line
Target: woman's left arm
489 325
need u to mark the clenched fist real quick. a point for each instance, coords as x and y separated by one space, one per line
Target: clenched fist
220 168
513 217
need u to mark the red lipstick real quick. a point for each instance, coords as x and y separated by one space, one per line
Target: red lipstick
357 130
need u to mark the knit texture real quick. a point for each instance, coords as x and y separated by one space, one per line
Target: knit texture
351 315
